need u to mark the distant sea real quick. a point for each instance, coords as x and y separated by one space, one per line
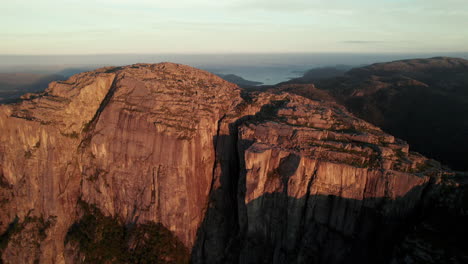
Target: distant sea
265 68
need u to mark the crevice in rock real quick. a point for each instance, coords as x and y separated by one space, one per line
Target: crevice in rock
306 202
233 246
221 227
215 145
92 123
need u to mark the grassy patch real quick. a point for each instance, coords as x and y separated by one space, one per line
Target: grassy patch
400 154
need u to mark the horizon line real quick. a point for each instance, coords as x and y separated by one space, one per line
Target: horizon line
246 53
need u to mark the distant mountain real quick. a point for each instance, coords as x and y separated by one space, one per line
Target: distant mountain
316 74
72 71
423 101
13 85
238 80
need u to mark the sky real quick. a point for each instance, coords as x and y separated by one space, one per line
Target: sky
40 27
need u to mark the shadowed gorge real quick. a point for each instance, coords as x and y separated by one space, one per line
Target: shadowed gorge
165 163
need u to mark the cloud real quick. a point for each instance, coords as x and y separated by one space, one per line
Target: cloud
164 4
363 41
293 5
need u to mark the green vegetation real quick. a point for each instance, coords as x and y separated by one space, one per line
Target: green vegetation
103 239
16 227
349 151
156 244
372 162
273 175
421 167
4 183
400 154
350 130
97 173
73 134
115 69
87 126
28 154
382 141
270 111
13 228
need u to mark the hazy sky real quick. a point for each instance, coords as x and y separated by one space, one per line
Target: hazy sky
225 26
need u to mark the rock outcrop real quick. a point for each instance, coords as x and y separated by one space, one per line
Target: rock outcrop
418 100
117 163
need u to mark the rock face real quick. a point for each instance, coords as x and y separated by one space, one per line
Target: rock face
419 100
149 154
136 142
117 163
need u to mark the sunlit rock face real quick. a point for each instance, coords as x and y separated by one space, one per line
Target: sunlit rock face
136 142
149 154
135 152
39 170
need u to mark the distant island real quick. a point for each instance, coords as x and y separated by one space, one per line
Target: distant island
321 73
239 80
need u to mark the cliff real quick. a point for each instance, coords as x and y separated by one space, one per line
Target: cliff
156 162
418 100
312 183
135 142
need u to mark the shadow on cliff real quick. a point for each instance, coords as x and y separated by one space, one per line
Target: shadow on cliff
277 228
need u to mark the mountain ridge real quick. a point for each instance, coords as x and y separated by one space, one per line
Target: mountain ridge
412 99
